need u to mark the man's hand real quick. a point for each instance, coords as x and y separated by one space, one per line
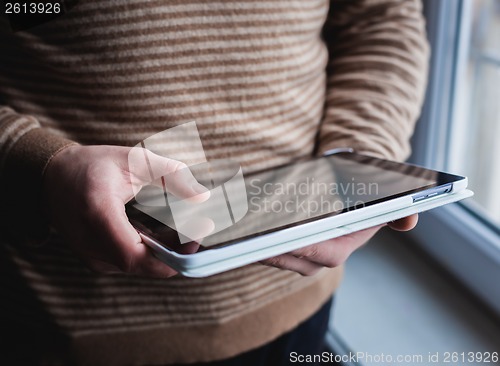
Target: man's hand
85 191
332 253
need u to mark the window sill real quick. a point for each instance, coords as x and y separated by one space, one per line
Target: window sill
395 300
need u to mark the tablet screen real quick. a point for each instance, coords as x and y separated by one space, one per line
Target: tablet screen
276 199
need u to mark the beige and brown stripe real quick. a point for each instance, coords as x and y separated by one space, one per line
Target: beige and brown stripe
266 81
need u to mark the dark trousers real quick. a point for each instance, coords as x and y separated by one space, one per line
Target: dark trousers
307 339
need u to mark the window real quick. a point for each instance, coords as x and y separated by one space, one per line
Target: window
459 131
474 147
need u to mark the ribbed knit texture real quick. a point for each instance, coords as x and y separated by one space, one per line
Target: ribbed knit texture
264 86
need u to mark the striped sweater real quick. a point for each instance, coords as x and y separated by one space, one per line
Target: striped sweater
267 81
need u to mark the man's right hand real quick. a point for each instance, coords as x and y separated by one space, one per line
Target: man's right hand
85 191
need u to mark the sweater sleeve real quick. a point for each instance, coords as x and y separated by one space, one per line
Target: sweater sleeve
25 150
376 76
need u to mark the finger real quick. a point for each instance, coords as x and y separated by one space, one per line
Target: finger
404 224
182 184
196 229
188 248
291 263
146 264
173 176
332 253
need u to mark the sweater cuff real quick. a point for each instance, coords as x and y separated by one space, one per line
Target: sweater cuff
22 182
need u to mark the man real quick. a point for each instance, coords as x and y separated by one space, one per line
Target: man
266 81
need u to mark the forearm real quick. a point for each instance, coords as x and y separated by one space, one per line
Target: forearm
376 76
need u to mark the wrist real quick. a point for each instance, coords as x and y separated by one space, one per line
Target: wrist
51 173
24 166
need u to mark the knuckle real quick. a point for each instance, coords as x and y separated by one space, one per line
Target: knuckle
275 262
175 165
312 252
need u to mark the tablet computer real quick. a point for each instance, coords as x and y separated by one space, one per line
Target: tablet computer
251 217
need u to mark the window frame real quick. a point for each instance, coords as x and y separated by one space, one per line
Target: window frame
465 242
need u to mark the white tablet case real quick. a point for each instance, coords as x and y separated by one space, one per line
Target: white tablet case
210 262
